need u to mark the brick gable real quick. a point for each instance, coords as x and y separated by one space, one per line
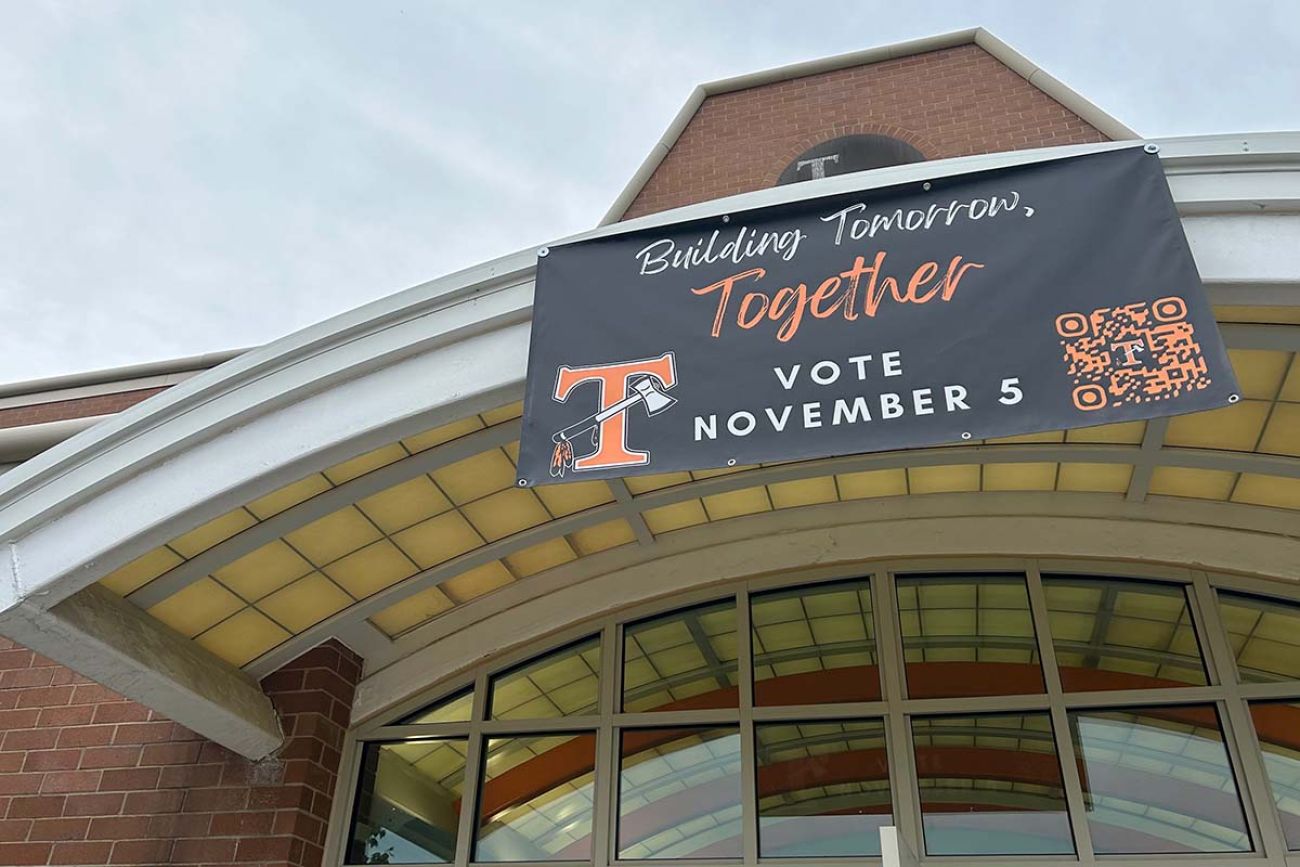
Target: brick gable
947 103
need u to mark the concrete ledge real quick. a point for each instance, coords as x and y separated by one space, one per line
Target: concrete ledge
111 641
17 444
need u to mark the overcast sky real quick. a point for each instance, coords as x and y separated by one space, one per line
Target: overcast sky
181 177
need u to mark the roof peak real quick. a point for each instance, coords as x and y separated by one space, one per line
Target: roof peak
1001 51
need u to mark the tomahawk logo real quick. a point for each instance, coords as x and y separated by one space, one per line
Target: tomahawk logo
620 387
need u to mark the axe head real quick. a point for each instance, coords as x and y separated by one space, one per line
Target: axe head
651 395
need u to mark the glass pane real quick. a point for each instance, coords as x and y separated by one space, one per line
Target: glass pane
535 802
453 708
679 793
990 785
1117 634
966 635
1265 636
408 805
823 789
563 683
1157 780
681 661
814 645
1278 727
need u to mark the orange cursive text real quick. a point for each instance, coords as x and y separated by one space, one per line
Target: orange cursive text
858 291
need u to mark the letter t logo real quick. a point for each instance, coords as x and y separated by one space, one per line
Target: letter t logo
818 165
611 419
1129 350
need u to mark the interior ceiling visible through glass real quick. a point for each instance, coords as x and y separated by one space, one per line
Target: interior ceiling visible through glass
1102 729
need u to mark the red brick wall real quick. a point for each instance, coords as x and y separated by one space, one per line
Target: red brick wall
80 407
954 102
89 778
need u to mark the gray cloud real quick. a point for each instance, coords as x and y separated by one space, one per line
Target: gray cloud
183 177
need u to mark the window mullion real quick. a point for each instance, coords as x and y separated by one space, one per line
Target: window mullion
616 743
475 753
1121 697
1210 637
968 705
748 751
347 790
416 731
1281 691
1239 735
605 780
898 735
1060 719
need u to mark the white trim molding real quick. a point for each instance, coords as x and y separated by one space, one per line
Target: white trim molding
119 646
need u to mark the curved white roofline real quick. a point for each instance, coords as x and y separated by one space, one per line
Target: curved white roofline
112 375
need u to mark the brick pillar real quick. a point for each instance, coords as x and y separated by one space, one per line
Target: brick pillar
313 697
90 778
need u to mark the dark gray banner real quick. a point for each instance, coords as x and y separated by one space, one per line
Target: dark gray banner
1060 294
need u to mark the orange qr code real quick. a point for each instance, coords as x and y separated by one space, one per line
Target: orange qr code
1132 354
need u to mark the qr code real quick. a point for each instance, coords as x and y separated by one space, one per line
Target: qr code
1134 354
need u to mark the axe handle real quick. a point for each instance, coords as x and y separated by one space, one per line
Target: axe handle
596 418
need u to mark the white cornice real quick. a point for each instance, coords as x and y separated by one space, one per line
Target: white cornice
109 380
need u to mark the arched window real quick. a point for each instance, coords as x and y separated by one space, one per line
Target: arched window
1049 711
849 153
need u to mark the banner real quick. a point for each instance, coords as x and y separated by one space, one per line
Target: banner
1058 294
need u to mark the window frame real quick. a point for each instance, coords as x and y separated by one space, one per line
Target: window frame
753 594
894 709
974 575
757 815
1065 794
